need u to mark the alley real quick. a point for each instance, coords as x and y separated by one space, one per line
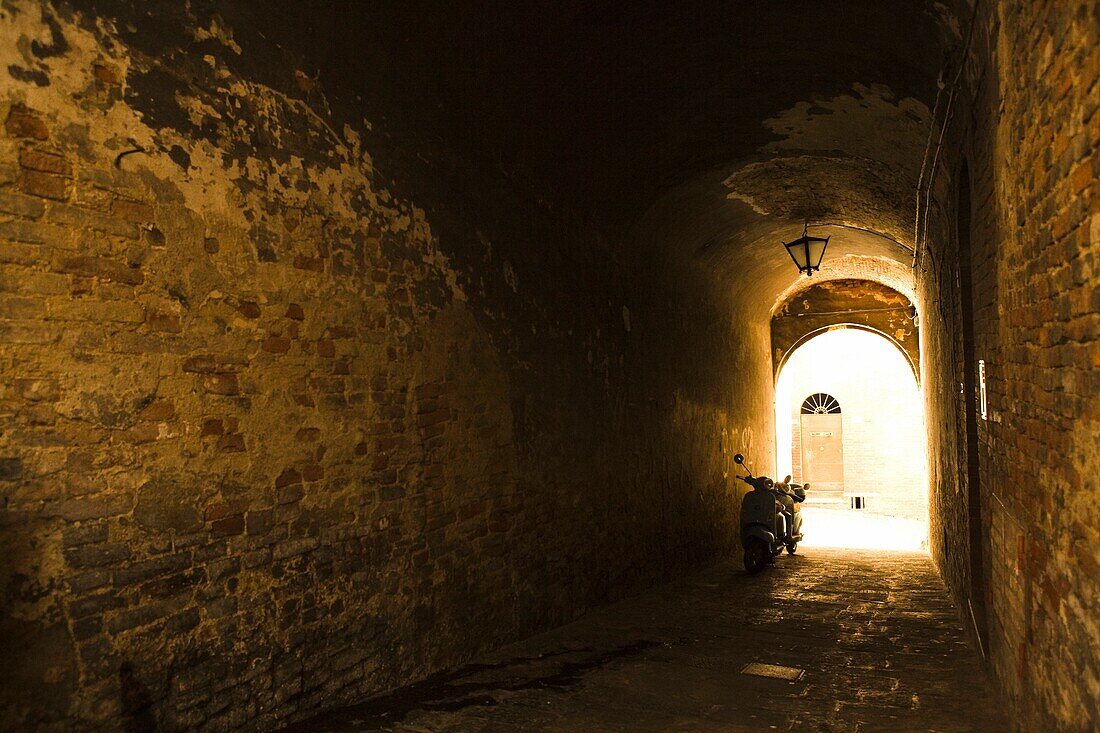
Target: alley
881 646
385 365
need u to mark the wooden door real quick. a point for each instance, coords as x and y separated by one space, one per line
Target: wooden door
823 455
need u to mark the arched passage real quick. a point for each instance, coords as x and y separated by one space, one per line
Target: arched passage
914 366
327 327
815 307
867 457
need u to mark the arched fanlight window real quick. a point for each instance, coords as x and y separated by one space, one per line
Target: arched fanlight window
820 403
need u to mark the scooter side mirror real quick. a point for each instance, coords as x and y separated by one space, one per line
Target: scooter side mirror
805 487
788 479
739 459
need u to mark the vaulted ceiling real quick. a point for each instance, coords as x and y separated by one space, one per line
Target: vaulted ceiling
709 130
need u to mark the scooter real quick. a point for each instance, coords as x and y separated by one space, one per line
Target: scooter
790 495
765 527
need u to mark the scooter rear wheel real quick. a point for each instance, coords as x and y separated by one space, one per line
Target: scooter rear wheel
756 555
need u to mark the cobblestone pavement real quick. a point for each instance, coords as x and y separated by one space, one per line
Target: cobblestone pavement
881 645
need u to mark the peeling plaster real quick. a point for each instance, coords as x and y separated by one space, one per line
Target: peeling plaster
233 200
852 159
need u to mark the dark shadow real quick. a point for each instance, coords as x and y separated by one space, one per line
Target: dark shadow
137 702
474 685
971 459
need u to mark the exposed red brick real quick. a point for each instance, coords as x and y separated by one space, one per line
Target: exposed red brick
221 384
44 185
211 426
308 435
389 442
312 472
38 160
222 509
433 418
208 364
435 430
426 391
105 74
248 308
232 525
135 211
160 321
143 432
231 443
314 264
98 267
276 344
287 477
82 286
23 122
158 411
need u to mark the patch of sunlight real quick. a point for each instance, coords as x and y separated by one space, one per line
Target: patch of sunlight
823 527
872 453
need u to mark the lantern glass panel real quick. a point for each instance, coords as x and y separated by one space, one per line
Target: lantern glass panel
797 249
816 249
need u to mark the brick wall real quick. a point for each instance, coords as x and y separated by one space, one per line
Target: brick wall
282 427
1028 128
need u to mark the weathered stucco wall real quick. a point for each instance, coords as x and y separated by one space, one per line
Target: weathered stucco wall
273 436
1027 128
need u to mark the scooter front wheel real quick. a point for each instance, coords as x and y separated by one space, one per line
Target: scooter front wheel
756 555
791 548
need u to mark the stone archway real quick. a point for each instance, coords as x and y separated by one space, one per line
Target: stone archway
849 420
906 352
848 303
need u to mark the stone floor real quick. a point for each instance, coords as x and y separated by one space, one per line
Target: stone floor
881 646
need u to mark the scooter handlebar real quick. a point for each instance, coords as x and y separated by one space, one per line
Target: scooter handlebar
757 481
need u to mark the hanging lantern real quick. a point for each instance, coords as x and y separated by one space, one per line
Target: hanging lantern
807 252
